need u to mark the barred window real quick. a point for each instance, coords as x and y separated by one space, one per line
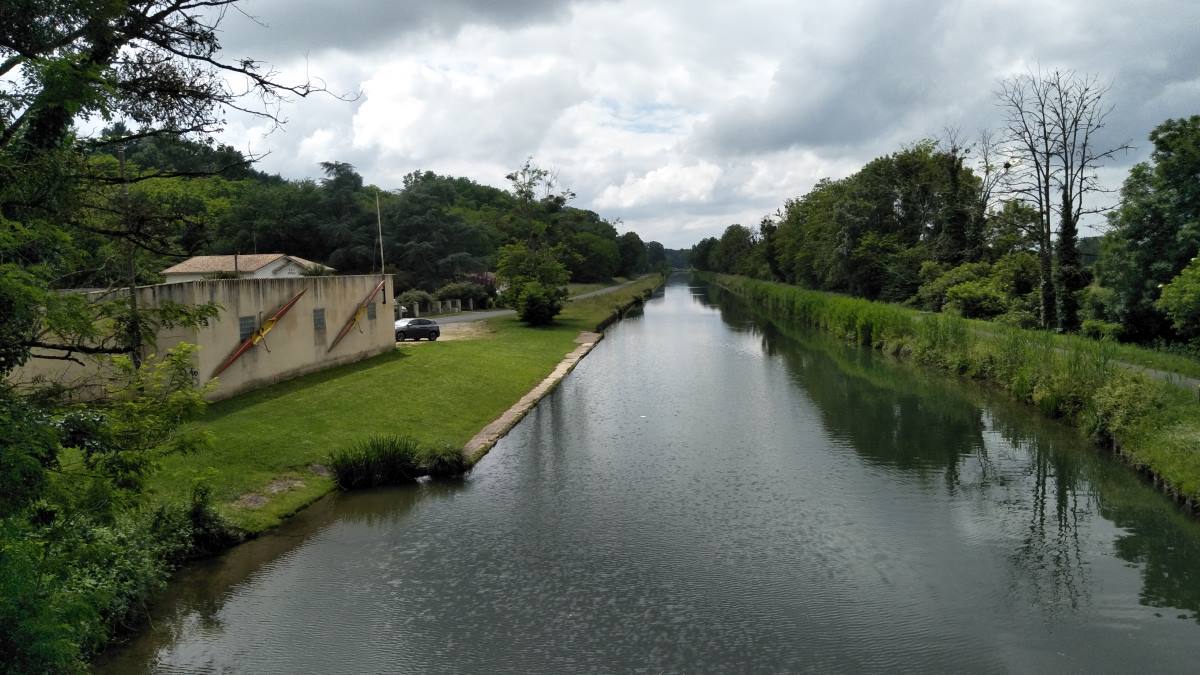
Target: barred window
371 311
246 326
319 325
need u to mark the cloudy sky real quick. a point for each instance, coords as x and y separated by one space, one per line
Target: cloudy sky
681 117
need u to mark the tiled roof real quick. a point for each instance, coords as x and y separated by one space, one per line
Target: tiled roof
209 264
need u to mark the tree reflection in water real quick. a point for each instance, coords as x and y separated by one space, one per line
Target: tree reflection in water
1044 490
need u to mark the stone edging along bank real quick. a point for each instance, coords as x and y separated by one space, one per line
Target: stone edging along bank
482 442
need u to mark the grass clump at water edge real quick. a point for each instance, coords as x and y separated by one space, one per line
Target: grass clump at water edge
393 460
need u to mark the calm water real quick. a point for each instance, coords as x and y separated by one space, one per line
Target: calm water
708 493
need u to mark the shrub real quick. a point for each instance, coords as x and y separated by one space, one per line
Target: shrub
1018 318
978 299
393 460
539 304
463 290
1119 405
414 297
1100 330
932 294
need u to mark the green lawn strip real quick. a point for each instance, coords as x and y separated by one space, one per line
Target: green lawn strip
438 393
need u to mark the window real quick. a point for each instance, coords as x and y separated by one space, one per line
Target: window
246 326
371 311
319 325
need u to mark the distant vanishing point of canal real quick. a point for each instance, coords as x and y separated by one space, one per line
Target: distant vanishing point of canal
709 492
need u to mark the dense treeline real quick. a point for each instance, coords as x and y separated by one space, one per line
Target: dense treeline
436 229
924 228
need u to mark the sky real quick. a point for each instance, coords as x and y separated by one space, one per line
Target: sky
682 117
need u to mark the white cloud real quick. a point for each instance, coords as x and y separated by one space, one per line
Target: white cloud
670 184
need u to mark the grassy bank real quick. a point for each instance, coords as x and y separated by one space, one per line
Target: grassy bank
270 444
1153 424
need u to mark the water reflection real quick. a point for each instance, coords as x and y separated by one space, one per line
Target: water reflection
1051 486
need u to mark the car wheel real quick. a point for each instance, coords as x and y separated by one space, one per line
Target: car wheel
433 337
401 337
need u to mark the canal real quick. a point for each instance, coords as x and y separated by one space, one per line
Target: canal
709 491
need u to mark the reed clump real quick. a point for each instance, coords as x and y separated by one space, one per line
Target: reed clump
393 460
1153 424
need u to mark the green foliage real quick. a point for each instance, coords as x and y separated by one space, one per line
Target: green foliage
463 290
1100 330
537 304
536 282
932 293
393 460
413 298
1180 301
978 299
28 450
1155 232
316 271
79 555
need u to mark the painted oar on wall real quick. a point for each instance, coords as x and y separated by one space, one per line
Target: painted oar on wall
258 335
358 314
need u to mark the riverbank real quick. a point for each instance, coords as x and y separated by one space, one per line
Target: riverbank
1152 424
269 446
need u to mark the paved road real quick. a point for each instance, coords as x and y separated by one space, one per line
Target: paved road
481 315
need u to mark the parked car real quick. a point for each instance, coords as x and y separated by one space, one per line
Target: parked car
415 329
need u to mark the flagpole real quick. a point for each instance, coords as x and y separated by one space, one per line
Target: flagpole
379 226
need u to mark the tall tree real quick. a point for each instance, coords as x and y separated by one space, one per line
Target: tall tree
1025 101
1054 122
1155 232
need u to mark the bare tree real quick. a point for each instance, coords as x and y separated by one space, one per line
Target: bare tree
1052 123
1029 133
992 166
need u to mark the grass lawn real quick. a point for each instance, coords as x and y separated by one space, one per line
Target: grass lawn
265 441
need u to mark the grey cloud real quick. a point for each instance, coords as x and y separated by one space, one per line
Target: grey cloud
911 69
287 28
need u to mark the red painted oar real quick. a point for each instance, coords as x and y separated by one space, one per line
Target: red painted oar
258 335
358 314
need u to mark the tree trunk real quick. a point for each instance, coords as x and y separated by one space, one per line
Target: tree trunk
1046 278
1070 277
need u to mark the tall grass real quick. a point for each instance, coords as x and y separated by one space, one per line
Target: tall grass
393 460
1154 425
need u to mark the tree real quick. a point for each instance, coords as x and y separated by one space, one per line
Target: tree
535 282
1054 122
633 255
1155 232
1025 101
1180 300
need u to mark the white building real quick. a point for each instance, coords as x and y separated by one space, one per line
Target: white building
253 266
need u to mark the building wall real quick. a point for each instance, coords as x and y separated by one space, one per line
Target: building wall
296 345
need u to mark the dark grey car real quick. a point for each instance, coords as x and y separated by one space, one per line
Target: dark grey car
415 329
